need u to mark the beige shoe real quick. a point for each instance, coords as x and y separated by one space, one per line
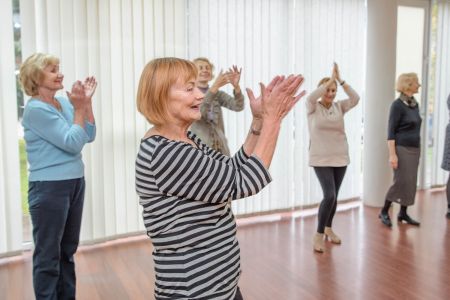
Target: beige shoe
332 236
318 243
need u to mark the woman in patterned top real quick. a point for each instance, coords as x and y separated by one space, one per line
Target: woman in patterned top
184 186
210 128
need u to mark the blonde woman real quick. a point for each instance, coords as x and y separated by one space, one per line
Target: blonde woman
328 151
210 128
55 130
404 149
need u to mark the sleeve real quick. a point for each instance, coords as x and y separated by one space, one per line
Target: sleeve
352 101
55 130
183 171
235 103
311 100
238 159
91 130
394 121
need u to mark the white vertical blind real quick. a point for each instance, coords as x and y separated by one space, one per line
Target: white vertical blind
279 37
10 204
111 40
442 90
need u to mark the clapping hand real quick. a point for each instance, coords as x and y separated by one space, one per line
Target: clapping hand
234 75
256 103
277 99
337 73
89 85
77 95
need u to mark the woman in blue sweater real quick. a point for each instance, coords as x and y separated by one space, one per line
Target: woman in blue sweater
55 131
404 149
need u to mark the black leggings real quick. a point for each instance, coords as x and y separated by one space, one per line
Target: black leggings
330 179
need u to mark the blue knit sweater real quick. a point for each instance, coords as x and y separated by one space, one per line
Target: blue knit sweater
53 142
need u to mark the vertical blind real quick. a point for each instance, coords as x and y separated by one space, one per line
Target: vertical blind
267 38
113 40
10 208
442 90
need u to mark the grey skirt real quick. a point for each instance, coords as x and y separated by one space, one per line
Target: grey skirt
403 189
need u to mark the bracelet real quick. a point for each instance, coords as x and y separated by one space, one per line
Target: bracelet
255 132
342 82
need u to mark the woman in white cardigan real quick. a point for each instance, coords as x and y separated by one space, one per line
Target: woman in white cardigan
328 150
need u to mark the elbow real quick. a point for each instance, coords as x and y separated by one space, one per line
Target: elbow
74 148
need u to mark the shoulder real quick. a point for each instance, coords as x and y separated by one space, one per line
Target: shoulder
161 147
34 106
397 104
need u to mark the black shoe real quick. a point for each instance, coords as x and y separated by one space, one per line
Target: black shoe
384 217
407 219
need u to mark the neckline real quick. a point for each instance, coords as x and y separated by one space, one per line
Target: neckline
323 105
48 104
190 136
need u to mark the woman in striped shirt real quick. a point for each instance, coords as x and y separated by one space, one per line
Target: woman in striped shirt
184 186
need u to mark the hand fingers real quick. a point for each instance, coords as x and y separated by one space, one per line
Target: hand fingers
250 95
274 81
263 90
297 81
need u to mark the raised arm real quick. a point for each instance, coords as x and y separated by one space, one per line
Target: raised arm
311 100
90 85
353 97
55 130
268 110
313 97
183 171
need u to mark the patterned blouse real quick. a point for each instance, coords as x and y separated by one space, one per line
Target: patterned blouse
184 191
210 128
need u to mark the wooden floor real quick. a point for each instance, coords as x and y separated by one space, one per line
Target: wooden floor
373 262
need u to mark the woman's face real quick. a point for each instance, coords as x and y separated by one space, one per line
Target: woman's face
204 71
53 79
415 85
330 94
184 101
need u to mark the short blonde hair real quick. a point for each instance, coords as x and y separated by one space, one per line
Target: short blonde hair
31 71
404 81
324 80
204 59
156 79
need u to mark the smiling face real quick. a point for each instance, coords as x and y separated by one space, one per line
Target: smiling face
330 94
52 79
204 71
183 102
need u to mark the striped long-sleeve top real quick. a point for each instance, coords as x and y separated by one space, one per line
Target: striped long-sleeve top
184 192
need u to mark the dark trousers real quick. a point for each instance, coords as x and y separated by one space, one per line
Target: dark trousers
56 208
330 179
